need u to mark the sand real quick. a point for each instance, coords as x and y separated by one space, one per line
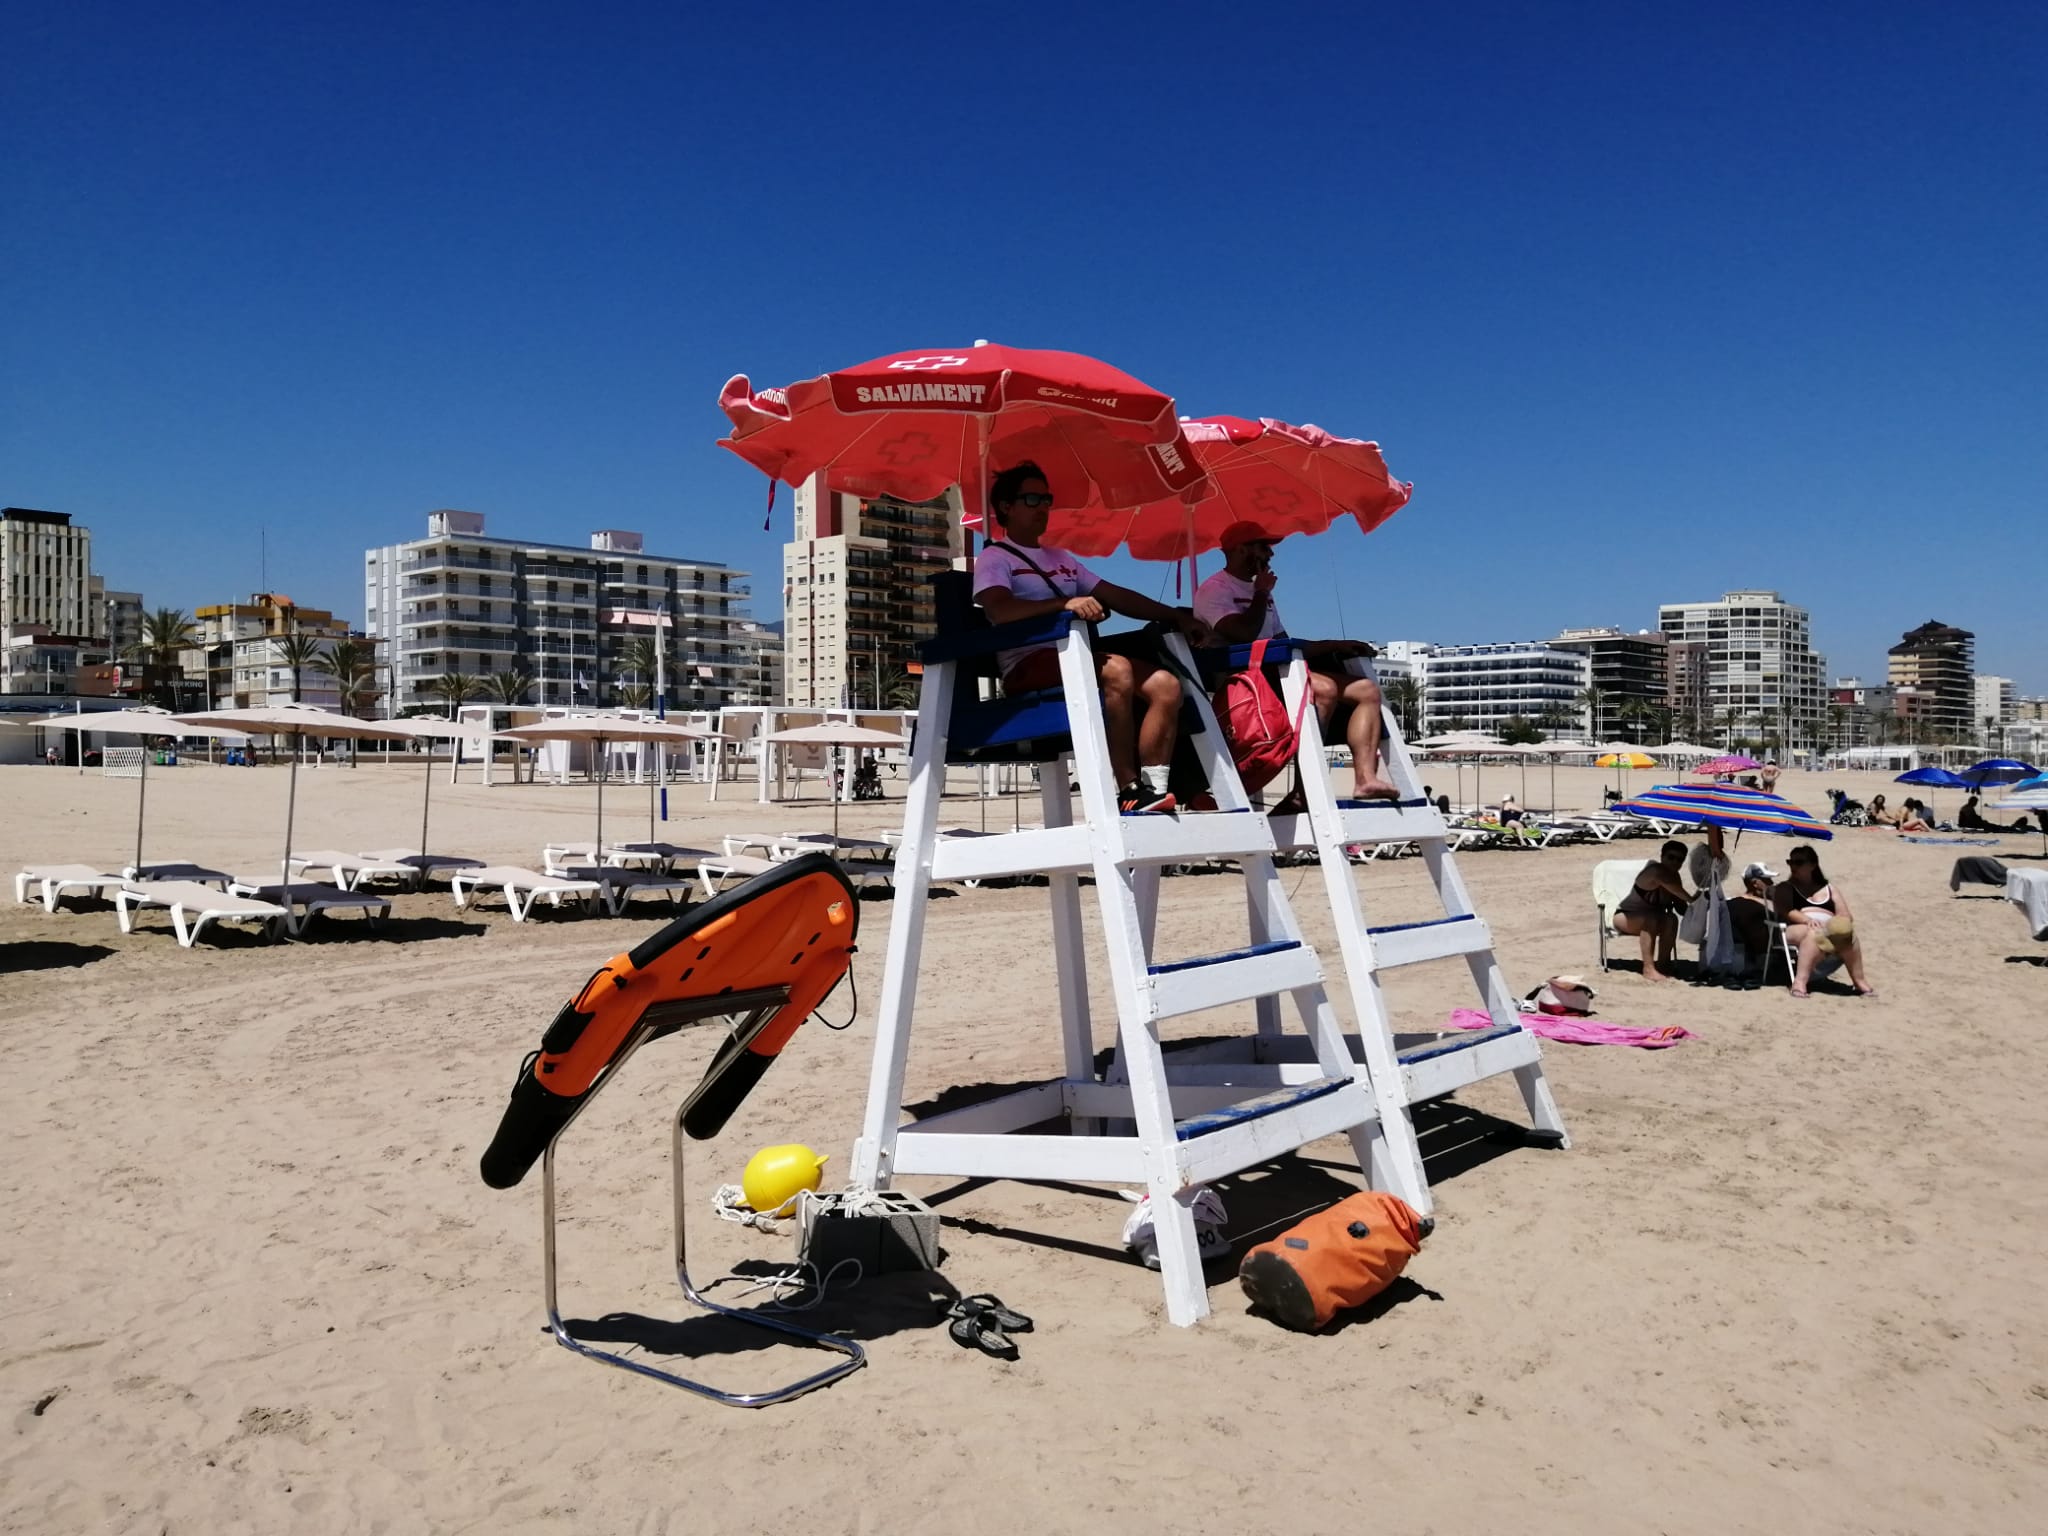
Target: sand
1787 1277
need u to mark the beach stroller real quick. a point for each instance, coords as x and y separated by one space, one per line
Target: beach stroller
1847 812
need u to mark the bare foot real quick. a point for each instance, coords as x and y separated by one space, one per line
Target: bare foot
1374 788
1651 973
1800 992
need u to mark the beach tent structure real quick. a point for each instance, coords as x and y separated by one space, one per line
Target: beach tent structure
298 722
601 731
135 722
836 733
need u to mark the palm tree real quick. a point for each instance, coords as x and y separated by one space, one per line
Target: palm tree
636 695
299 652
1728 720
1638 713
454 689
1591 700
1838 717
509 687
165 633
350 664
1405 694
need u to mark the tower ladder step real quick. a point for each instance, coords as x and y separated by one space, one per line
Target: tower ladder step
1439 938
1234 976
1366 821
1239 1136
1443 1064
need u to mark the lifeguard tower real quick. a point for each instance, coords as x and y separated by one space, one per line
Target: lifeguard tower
1168 1120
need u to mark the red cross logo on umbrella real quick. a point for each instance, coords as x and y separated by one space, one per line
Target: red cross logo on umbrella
926 364
910 448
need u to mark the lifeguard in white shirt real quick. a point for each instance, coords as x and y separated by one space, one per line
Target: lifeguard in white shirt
1237 602
1016 577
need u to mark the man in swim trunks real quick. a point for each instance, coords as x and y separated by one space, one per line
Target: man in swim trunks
1237 602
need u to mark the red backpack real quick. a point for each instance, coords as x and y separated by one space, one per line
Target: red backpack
1262 739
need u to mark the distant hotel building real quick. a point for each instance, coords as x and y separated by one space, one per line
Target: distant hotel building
1760 665
1482 687
61 631
1939 661
1631 672
462 601
857 597
241 653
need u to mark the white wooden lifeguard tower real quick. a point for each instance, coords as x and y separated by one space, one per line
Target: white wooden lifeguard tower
1199 1114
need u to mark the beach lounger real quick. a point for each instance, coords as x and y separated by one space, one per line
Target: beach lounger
619 886
53 880
304 900
743 842
351 869
668 855
557 857
522 888
423 866
191 874
713 872
193 905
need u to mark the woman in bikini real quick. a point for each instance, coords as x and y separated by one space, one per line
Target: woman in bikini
1880 815
1016 577
1817 922
1650 909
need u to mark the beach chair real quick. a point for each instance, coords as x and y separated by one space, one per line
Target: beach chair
1613 879
191 874
522 888
53 880
619 886
351 869
662 855
193 905
423 866
715 869
304 900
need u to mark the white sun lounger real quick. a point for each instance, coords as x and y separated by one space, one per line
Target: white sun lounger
351 869
193 906
522 888
672 855
557 857
422 865
53 880
712 873
198 874
619 886
304 900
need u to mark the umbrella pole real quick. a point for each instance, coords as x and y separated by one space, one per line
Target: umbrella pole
141 798
598 855
291 808
1553 783
652 787
427 751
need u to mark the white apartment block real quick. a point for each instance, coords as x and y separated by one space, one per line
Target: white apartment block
46 613
857 597
1997 699
463 601
1483 687
1760 662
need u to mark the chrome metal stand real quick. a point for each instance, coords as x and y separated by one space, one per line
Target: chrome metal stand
753 1010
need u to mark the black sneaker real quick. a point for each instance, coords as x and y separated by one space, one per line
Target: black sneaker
1137 800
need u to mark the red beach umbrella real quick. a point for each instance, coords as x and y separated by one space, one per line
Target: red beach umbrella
912 424
1288 479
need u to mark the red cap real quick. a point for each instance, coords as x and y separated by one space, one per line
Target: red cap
1245 531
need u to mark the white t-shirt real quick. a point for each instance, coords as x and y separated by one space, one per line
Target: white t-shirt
1224 596
998 567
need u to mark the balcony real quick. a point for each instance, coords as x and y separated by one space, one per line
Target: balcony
435 561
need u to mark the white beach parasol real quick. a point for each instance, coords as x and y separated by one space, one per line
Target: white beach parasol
133 722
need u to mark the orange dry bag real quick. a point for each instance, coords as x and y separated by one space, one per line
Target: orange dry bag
791 927
1337 1258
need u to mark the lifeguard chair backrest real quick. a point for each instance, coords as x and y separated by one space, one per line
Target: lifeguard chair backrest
1032 728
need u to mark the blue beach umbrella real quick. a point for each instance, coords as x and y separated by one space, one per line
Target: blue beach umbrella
1727 806
1998 770
1933 778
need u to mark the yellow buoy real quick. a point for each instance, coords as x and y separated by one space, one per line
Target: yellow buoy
775 1176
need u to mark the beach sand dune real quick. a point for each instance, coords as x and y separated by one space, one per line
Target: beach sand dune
1787 1278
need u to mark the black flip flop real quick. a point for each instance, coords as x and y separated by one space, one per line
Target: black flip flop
978 1330
991 1306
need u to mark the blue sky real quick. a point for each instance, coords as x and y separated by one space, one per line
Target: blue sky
1649 301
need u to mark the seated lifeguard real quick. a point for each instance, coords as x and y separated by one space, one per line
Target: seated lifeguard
1237 602
1016 577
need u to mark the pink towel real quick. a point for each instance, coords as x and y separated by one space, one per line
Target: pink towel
1553 1026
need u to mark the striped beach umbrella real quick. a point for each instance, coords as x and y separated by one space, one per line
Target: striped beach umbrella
1728 806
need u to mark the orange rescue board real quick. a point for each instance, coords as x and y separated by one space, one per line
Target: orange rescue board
792 927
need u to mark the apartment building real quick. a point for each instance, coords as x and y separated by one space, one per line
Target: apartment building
1630 674
243 650
857 597
1761 670
464 601
1939 661
1483 687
